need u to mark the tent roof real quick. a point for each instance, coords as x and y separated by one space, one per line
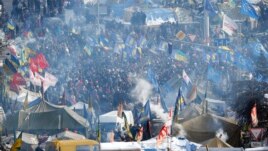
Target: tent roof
216 142
46 116
177 144
111 117
44 106
117 146
190 112
66 135
79 106
205 126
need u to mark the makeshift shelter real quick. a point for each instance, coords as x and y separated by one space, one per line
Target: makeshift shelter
205 126
45 116
216 142
110 120
158 16
66 135
79 107
191 111
123 146
178 144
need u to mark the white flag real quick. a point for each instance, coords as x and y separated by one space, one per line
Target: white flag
228 25
185 77
36 79
50 79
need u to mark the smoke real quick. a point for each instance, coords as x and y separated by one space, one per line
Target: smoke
159 111
178 130
142 90
222 135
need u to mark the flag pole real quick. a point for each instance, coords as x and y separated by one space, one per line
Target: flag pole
206 24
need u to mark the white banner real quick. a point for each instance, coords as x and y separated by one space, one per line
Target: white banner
228 25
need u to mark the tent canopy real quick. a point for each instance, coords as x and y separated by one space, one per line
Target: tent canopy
66 135
45 116
205 126
216 142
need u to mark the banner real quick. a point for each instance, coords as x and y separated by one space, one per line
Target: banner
228 25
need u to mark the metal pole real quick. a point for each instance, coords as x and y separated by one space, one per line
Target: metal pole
206 27
98 15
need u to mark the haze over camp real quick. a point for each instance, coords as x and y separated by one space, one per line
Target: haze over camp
133 75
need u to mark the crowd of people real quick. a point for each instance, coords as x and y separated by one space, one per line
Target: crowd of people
102 62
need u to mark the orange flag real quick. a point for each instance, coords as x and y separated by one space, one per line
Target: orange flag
254 118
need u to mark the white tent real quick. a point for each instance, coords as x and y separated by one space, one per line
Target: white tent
66 135
79 106
111 117
118 146
176 144
33 97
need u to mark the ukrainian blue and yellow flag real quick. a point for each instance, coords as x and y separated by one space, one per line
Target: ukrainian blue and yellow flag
179 105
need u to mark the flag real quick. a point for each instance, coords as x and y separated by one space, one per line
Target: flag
33 65
248 9
179 105
13 87
25 103
88 51
98 132
18 79
17 144
162 101
10 66
192 94
10 25
126 125
147 114
12 49
254 117
185 77
228 25
152 78
162 134
14 60
41 61
139 135
209 7
180 56
85 112
49 80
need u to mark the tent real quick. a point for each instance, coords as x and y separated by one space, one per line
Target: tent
216 142
177 144
158 16
120 146
205 126
79 107
45 116
111 117
66 135
191 111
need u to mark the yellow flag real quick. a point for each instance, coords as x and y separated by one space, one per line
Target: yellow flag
17 144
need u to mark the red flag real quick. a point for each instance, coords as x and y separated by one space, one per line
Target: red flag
13 87
18 79
254 118
139 134
166 129
33 65
41 60
162 134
